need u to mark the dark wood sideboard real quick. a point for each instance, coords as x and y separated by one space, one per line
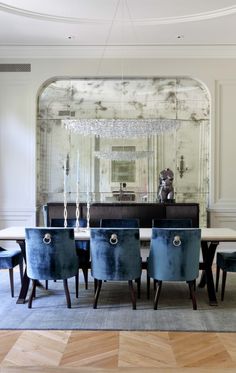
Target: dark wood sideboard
145 212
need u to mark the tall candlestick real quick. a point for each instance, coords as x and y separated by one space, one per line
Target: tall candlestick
65 196
88 214
88 209
78 167
65 178
77 212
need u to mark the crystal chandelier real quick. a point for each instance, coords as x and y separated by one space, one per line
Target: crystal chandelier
120 128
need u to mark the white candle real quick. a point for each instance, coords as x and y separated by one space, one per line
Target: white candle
77 167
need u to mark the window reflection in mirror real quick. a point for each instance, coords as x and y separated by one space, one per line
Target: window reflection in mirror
123 170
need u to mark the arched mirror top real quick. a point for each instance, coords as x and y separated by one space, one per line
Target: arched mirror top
182 98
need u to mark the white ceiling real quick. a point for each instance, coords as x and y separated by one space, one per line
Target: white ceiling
114 23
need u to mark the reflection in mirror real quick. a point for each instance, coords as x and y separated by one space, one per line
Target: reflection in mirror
134 178
123 170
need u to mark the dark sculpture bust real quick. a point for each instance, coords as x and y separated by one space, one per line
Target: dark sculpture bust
166 190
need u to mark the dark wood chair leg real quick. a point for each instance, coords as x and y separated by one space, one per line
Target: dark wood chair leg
67 293
95 285
223 285
34 291
194 288
77 285
32 294
85 273
138 282
21 266
192 294
217 277
24 289
97 292
148 287
157 293
46 284
132 293
11 276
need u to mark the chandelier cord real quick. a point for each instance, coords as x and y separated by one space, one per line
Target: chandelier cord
131 22
108 37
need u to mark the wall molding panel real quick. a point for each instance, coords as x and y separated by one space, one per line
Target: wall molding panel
223 218
17 218
225 196
17 145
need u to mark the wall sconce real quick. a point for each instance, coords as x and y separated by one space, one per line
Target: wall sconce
182 169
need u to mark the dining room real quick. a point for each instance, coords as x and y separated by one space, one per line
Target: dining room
119 111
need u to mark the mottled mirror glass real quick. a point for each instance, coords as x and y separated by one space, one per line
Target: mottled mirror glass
185 151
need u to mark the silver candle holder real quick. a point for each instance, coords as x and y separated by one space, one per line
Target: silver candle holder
65 194
77 210
88 211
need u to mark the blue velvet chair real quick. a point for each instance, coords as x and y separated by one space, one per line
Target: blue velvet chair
174 256
10 259
115 256
119 223
122 223
227 263
82 247
50 255
172 223
167 223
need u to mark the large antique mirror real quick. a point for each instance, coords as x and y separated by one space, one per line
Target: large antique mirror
127 168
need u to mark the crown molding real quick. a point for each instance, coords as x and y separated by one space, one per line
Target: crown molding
215 13
132 51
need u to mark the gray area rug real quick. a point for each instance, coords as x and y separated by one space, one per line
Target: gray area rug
114 310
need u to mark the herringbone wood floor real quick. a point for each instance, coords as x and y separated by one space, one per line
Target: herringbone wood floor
116 351
58 351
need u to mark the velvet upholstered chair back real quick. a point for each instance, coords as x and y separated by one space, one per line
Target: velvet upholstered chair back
119 223
51 253
174 254
83 247
115 254
172 223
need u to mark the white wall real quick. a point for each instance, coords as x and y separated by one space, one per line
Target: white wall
18 94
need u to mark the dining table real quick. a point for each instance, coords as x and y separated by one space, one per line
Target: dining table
210 239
